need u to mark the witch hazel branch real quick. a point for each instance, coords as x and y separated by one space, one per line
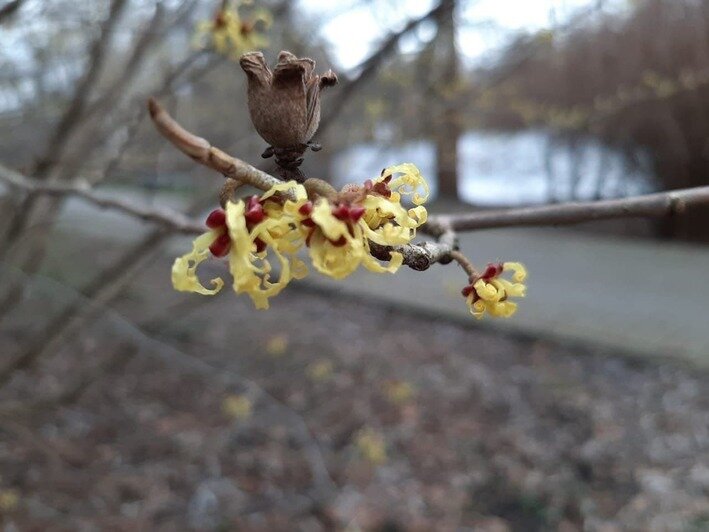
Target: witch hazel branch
371 224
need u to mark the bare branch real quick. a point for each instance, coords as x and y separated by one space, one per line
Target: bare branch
421 257
648 206
369 66
73 113
173 220
204 153
10 9
132 67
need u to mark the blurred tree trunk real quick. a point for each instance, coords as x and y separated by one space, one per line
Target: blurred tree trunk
448 129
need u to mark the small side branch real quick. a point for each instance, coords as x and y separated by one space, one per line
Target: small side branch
647 206
170 219
421 257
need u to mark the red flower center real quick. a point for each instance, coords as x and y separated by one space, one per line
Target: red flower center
491 271
381 188
254 214
222 244
343 211
219 20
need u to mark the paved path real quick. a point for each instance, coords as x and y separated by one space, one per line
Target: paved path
641 296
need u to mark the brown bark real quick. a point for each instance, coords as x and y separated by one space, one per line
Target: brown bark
448 127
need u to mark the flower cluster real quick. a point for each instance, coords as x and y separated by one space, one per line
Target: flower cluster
336 231
490 293
230 33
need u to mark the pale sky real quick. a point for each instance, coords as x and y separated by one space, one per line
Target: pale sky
354 31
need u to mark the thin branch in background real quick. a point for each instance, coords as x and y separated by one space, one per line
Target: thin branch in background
70 119
132 67
72 114
35 255
657 205
324 485
168 218
10 9
110 283
369 66
102 290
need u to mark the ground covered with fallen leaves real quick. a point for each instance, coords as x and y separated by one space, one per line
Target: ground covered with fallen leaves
328 412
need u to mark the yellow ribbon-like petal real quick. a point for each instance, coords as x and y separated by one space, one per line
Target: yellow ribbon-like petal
331 227
520 272
406 180
249 277
184 269
337 262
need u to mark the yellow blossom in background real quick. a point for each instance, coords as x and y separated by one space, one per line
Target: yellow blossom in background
545 36
375 108
320 371
232 32
399 392
371 446
277 345
237 407
9 500
490 294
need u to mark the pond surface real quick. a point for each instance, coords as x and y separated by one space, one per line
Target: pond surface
508 168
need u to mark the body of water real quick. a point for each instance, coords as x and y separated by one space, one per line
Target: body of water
508 168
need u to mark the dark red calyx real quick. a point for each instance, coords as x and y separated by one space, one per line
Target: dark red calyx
308 222
356 213
221 245
348 213
310 236
246 28
342 241
306 209
341 212
219 20
382 189
254 211
470 289
260 245
216 219
493 270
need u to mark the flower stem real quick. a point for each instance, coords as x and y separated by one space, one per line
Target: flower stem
465 263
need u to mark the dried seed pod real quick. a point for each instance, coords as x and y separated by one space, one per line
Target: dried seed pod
284 104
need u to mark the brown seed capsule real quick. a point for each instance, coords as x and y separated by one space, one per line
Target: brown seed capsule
285 104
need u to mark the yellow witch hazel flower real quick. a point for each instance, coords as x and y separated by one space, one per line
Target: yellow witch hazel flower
230 33
338 231
490 293
245 233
